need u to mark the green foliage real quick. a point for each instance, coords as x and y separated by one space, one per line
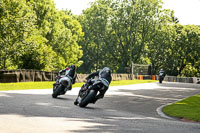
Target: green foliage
61 32
187 46
34 35
120 32
133 28
191 70
94 22
178 50
16 24
113 33
69 34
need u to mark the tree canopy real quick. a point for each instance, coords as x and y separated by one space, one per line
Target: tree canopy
114 33
119 32
35 35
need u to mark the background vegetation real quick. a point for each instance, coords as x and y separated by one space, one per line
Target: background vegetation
35 35
113 33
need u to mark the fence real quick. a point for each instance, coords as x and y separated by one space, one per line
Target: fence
24 75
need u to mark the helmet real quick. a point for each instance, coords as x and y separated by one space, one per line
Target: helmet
72 67
107 69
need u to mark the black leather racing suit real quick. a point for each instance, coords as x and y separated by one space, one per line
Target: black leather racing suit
162 72
70 73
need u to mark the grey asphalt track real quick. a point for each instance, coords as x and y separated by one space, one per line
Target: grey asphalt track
125 109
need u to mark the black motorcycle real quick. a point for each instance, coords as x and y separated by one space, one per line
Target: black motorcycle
161 77
87 94
62 85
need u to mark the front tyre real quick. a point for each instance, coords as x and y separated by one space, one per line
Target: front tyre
57 91
160 80
90 97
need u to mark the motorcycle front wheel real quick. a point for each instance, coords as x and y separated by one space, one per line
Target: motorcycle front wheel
160 80
90 97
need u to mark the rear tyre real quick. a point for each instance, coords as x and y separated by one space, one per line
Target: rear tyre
90 97
57 91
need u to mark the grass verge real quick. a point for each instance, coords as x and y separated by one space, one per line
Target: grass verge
188 108
129 82
45 85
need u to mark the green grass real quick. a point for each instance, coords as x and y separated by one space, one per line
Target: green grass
188 108
129 82
25 85
47 85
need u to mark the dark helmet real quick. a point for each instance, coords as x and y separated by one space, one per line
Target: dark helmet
107 69
72 67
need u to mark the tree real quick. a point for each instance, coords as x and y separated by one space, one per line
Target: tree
16 24
135 26
121 31
59 30
94 22
66 34
34 35
186 50
176 50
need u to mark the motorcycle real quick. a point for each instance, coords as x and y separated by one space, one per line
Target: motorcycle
87 94
161 77
61 86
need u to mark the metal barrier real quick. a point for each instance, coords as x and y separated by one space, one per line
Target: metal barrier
181 79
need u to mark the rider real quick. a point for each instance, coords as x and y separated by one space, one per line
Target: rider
104 75
70 72
162 72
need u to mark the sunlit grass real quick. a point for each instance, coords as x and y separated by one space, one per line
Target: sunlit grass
26 85
48 85
129 82
188 108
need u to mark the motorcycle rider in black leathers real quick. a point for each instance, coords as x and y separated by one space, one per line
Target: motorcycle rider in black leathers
161 75
162 72
104 75
70 72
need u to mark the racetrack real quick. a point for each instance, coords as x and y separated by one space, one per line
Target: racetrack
125 109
